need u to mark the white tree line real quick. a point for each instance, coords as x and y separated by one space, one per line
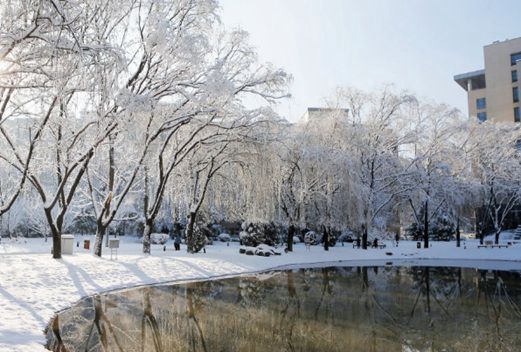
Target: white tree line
148 109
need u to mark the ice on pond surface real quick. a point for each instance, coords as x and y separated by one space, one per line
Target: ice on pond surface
381 308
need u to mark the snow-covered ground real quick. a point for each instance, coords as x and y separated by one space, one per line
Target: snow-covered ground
33 286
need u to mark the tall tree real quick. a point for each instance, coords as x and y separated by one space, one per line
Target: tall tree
496 164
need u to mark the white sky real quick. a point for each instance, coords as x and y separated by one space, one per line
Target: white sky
418 45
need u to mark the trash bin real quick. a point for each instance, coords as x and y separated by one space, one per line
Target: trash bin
418 245
67 242
86 244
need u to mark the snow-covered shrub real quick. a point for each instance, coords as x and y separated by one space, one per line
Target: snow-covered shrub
261 250
253 234
224 237
332 239
199 239
345 237
296 239
444 229
312 238
247 250
249 239
440 229
266 251
158 238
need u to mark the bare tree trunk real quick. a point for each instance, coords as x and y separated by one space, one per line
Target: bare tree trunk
326 238
190 232
100 233
458 234
149 219
56 245
101 228
426 226
149 227
291 233
364 237
56 235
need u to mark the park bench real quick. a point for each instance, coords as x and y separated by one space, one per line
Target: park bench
379 246
490 244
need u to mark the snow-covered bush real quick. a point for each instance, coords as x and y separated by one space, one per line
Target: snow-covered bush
312 238
332 239
224 237
158 238
346 237
266 251
440 229
261 250
199 238
248 250
249 239
253 234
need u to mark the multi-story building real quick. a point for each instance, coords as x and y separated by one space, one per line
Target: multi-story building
493 93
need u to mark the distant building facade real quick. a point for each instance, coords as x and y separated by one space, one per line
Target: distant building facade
493 92
318 113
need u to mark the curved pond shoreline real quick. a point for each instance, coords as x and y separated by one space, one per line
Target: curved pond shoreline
33 287
267 296
487 264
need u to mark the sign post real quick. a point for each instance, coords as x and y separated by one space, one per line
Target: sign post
114 245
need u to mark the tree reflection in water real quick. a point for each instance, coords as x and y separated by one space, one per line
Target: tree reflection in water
325 309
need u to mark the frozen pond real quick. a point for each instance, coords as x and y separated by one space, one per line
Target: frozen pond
381 308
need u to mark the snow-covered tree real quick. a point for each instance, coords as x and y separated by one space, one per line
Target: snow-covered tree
376 132
51 50
432 174
496 163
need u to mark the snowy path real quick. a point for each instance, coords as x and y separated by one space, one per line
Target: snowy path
33 286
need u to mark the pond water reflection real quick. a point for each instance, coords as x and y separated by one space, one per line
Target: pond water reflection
321 309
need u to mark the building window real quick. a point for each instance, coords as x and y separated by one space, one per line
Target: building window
481 103
515 94
482 116
517 114
514 76
514 58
